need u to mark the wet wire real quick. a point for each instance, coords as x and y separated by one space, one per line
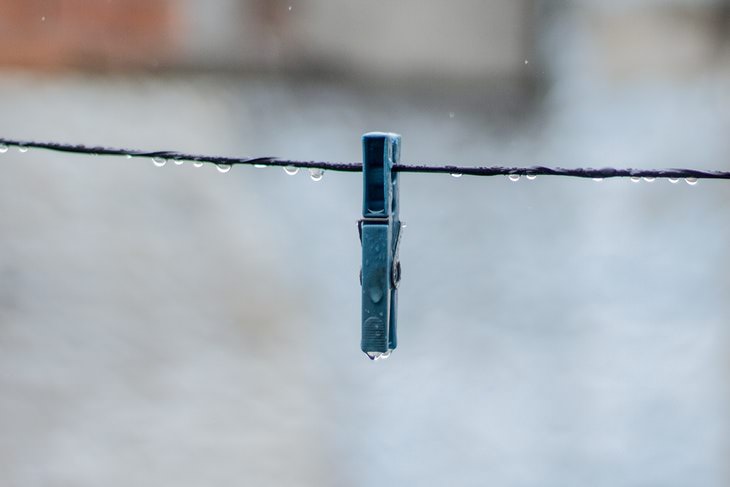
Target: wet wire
528 171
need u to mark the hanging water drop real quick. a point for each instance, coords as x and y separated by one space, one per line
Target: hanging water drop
259 166
674 180
3 148
316 174
691 181
598 180
178 162
456 174
635 179
128 156
514 177
649 179
159 161
378 355
197 164
291 170
531 177
23 149
223 168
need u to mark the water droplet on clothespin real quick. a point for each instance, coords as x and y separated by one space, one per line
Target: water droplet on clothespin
691 181
649 179
159 161
223 168
3 148
514 177
197 164
456 174
673 180
291 170
316 174
531 176
378 355
22 149
635 179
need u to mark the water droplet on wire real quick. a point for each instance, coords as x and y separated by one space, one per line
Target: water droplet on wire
197 164
691 181
531 177
128 156
3 148
291 170
598 180
23 149
456 174
514 177
159 161
674 180
316 174
649 179
178 162
635 179
259 166
223 168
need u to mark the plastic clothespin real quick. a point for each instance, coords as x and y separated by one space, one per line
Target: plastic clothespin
380 232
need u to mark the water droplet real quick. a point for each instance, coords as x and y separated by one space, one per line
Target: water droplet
527 62
456 174
291 170
316 174
635 179
259 166
43 19
197 164
674 180
159 161
223 168
514 177
178 162
128 156
290 8
691 181
531 177
378 355
598 180
3 148
22 148
649 179
452 114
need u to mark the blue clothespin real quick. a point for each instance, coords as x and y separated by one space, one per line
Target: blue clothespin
380 231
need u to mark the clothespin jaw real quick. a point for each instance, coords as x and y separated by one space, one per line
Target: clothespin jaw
380 230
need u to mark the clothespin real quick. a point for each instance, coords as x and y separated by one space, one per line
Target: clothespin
380 232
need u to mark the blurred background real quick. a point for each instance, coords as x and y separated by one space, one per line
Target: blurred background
178 326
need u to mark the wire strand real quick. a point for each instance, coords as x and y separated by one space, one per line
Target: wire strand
601 173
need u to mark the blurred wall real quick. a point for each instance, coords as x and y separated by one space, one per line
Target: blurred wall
456 39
